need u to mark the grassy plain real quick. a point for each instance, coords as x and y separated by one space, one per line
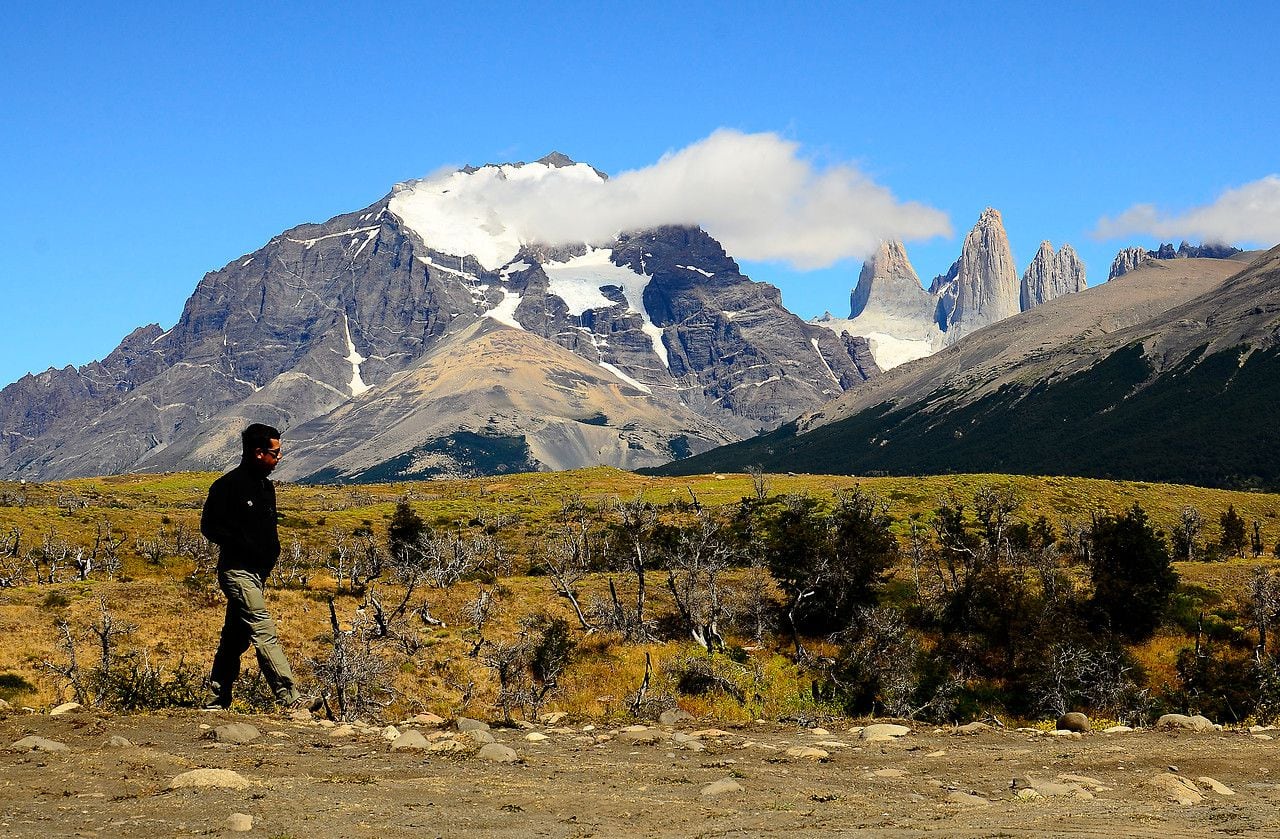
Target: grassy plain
175 621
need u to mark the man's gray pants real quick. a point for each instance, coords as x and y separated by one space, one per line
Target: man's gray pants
248 623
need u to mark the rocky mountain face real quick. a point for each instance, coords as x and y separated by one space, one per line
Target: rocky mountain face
1130 258
1161 374
902 322
1051 275
987 281
375 339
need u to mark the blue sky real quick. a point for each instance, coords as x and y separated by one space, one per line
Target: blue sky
143 146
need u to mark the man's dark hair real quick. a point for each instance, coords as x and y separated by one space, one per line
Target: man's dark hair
258 436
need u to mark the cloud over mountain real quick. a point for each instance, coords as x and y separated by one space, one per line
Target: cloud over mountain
1248 213
756 193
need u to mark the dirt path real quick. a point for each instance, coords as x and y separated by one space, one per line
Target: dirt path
308 779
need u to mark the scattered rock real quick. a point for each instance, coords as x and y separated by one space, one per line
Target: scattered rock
882 731
1171 722
644 737
429 720
1062 732
808 753
1176 788
724 786
552 717
343 730
832 744
497 753
115 741
390 733
971 728
239 822
889 772
235 733
1051 789
1217 786
223 778
410 740
819 732
710 732
1027 794
39 744
1117 729
967 799
448 747
65 708
535 737
465 724
1073 721
5 706
300 715
480 736
675 716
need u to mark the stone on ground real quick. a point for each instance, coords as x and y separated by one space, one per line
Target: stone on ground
1073 721
465 724
39 744
971 728
724 786
1215 785
535 737
968 800
236 733
647 737
675 716
480 736
431 720
65 708
409 741
1176 788
882 731
1182 721
808 753
552 717
115 741
497 753
239 822
390 733
222 778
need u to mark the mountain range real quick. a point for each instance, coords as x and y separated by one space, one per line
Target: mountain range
1168 372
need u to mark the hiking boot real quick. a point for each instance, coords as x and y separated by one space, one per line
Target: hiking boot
310 704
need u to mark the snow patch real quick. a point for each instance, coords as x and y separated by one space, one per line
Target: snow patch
355 359
893 341
373 234
310 242
514 268
246 262
822 358
693 268
505 312
578 283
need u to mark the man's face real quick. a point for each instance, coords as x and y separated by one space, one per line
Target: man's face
268 458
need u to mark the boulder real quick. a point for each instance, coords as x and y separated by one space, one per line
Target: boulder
410 740
881 731
725 786
675 716
1073 721
39 744
1176 788
1173 722
65 708
497 753
235 733
465 724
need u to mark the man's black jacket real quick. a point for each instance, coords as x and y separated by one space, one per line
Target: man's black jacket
240 518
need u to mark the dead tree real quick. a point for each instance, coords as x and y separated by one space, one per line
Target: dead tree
637 520
693 575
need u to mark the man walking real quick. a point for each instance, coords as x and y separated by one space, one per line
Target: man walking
240 518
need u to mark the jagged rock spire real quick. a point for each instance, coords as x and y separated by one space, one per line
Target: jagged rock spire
888 285
987 288
1051 275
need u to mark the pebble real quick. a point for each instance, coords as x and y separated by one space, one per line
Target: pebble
882 731
1117 729
409 741
724 786
239 822
223 778
465 724
65 708
535 737
39 744
236 733
497 753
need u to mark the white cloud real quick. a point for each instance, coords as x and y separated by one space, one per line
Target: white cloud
1245 214
755 193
